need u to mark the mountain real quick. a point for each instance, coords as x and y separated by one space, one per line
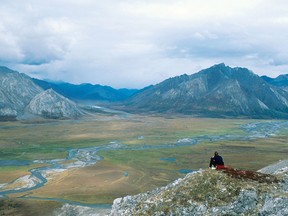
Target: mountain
19 95
86 92
267 79
16 91
50 104
213 192
219 91
280 81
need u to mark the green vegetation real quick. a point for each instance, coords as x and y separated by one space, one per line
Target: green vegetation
210 187
248 155
51 139
17 207
48 140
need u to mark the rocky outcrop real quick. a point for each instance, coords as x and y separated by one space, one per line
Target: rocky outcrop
211 192
50 104
16 91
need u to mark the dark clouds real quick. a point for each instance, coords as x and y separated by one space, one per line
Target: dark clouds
127 43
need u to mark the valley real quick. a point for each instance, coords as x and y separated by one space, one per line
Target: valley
93 160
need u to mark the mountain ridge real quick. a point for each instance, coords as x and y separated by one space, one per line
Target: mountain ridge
14 97
86 91
218 91
280 81
17 90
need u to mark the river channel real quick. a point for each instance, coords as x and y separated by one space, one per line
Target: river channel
83 157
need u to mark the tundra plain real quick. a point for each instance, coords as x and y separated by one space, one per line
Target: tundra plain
151 157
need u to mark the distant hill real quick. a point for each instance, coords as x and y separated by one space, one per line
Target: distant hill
280 81
219 91
86 92
19 95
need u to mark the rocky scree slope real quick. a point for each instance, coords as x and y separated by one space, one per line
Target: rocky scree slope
19 95
50 104
212 192
16 91
219 91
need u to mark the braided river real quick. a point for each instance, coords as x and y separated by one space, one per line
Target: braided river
83 157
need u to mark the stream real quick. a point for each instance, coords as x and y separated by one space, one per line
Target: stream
83 157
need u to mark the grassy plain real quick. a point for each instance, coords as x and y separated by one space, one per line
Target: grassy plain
16 207
123 172
49 140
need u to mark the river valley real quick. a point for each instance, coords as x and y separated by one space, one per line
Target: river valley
78 158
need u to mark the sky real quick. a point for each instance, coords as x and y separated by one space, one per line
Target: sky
136 43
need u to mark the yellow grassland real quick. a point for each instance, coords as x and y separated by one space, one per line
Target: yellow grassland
127 172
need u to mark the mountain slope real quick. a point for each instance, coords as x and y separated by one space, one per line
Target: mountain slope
281 80
19 95
84 92
50 104
16 91
218 91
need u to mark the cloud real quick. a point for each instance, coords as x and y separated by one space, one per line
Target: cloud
34 40
134 43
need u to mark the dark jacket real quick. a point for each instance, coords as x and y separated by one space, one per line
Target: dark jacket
216 160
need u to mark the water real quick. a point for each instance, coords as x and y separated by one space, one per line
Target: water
169 159
186 171
14 163
82 157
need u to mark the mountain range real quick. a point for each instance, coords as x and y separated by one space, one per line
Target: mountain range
281 81
86 91
20 96
218 91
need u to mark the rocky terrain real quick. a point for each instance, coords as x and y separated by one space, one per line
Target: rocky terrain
50 104
219 91
20 96
16 91
212 192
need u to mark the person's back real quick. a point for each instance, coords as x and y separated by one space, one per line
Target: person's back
217 161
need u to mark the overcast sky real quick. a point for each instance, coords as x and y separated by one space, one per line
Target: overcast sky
135 43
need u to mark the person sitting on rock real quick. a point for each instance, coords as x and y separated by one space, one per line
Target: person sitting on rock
217 161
